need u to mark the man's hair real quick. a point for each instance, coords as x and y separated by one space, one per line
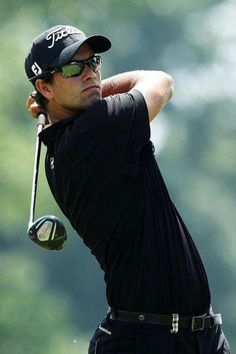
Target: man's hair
40 99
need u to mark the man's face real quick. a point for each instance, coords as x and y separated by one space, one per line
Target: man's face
72 95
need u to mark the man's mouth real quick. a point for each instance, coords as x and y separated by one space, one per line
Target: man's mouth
92 87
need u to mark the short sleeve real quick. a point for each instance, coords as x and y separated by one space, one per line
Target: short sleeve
119 124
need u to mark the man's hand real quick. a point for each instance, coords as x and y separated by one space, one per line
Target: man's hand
34 108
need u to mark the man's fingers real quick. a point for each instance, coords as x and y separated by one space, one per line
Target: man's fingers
33 107
29 101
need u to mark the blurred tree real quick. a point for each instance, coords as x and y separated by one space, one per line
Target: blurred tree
33 319
203 143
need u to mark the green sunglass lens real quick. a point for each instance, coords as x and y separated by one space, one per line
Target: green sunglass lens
76 68
72 70
92 64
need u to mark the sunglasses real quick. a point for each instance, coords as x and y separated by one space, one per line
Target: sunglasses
76 67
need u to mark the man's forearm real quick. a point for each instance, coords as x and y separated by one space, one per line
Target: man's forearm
155 86
120 83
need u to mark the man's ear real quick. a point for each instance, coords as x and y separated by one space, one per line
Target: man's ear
44 88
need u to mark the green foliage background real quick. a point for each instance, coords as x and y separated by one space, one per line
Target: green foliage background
51 301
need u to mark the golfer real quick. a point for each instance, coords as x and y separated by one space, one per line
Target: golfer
102 172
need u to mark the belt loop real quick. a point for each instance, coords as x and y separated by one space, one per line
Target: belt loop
175 323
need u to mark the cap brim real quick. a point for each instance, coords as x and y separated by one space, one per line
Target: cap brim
98 43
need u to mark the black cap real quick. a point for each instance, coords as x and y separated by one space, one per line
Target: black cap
56 46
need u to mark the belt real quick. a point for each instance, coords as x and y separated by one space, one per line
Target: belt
174 321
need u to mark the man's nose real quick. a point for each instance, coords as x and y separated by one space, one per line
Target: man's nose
88 72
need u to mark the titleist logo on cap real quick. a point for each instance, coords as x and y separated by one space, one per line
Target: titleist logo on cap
60 33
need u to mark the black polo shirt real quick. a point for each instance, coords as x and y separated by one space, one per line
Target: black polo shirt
103 174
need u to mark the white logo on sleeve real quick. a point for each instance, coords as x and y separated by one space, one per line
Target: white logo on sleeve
51 163
36 69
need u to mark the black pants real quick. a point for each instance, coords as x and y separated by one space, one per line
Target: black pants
118 337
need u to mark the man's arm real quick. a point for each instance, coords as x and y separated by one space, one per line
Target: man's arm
155 86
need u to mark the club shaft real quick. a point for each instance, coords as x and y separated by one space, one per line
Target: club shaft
40 126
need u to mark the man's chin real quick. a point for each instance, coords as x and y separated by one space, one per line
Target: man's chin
86 104
91 101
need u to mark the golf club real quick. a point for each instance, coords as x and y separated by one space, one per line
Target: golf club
48 231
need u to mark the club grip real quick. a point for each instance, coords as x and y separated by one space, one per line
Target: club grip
41 119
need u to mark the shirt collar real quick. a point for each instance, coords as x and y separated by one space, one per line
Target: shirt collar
50 134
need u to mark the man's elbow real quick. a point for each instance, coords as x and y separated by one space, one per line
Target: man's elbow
170 83
162 93
167 86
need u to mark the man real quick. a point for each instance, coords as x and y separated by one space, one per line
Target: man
103 174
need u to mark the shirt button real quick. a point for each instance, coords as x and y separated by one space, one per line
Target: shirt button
141 317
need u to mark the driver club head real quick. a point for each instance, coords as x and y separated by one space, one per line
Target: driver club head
48 232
